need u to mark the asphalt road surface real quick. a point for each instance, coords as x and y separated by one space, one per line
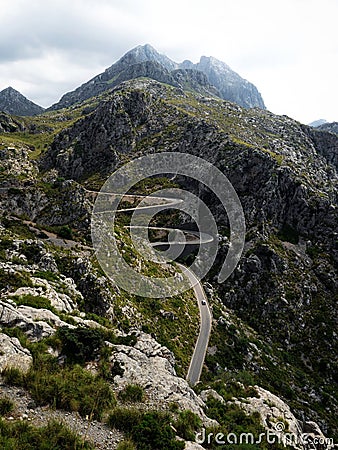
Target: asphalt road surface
197 360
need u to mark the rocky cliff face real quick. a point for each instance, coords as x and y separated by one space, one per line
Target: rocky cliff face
229 84
12 102
145 61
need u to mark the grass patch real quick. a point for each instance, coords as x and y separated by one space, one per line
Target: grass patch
132 393
15 280
150 431
46 275
69 388
23 436
33 301
6 406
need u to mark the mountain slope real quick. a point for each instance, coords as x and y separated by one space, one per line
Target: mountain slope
285 175
230 85
145 61
13 102
317 123
331 127
274 319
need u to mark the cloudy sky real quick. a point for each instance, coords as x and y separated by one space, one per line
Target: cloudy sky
287 48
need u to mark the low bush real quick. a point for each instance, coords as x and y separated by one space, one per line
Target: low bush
154 432
150 431
124 419
23 436
65 232
70 388
6 406
132 393
46 275
80 344
13 376
187 424
35 301
126 445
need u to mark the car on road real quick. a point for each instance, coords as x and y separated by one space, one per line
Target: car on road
204 302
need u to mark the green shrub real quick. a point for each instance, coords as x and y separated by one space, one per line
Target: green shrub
32 251
6 406
154 432
126 445
288 234
187 425
18 228
124 419
132 393
35 301
16 280
72 389
13 376
65 232
80 344
46 275
23 436
117 369
150 431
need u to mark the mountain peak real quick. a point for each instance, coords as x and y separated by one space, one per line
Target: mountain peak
317 123
143 53
9 90
146 61
214 62
13 102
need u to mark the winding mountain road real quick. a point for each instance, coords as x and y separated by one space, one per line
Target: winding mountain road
198 357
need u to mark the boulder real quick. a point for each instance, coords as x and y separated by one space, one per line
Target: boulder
13 355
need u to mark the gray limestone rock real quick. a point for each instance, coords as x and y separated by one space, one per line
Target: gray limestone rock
13 355
151 366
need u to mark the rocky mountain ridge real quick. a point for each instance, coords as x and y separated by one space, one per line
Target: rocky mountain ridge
229 84
145 61
332 127
13 102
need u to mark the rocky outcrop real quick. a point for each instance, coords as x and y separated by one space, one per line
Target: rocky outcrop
12 102
324 139
15 161
9 124
59 301
277 417
35 322
52 203
192 446
13 355
152 367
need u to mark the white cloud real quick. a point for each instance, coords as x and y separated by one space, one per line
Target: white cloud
287 48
